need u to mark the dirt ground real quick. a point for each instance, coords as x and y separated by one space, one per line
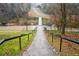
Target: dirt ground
68 48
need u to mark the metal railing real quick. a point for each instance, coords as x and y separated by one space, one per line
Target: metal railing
19 36
62 37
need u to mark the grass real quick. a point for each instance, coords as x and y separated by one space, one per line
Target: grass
8 34
11 48
72 33
68 48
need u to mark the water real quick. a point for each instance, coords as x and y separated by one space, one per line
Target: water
39 20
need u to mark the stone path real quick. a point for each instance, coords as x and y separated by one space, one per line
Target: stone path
40 46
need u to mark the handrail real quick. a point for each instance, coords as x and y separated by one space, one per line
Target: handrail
19 36
2 41
65 38
69 39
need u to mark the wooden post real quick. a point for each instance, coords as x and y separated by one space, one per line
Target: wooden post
32 32
28 37
52 37
60 43
48 33
20 43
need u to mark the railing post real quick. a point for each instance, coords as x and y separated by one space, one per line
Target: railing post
60 43
32 32
52 37
48 33
20 43
28 37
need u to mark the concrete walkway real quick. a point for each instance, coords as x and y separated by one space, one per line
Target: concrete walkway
40 46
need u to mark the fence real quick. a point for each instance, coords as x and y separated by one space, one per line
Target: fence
62 37
19 36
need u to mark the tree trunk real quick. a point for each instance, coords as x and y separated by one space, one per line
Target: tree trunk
63 20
